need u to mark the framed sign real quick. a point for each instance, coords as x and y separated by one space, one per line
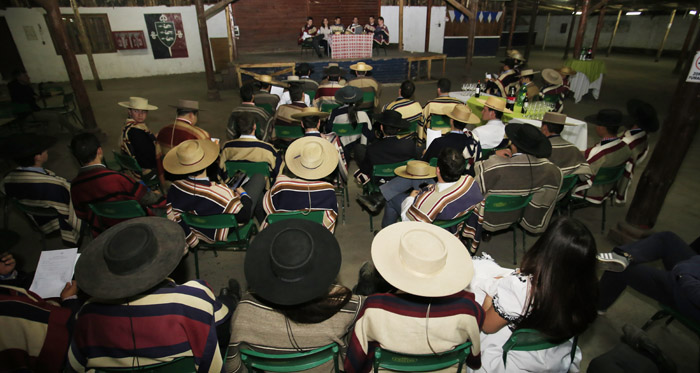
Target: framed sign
167 35
126 40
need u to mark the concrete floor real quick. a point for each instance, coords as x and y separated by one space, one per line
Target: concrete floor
627 76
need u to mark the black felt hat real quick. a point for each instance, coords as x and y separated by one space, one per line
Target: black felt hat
510 62
348 94
292 261
392 118
643 114
607 118
23 145
529 139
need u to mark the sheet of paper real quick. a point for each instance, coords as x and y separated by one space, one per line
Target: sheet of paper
275 90
431 135
54 270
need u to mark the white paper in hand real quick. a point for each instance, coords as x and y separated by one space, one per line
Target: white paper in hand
54 270
431 135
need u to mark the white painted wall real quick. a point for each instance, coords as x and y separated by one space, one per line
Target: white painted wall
44 64
437 29
414 18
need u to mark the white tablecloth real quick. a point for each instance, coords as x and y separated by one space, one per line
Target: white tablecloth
580 85
576 134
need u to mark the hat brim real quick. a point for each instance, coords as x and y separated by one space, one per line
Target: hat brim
185 108
483 102
473 119
326 265
401 171
320 114
22 145
403 124
364 67
594 119
95 278
127 105
529 74
454 277
348 100
543 149
293 162
172 164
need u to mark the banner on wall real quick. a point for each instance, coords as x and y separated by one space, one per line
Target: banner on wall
167 35
126 40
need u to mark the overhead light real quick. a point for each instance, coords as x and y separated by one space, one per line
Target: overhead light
693 12
633 13
577 13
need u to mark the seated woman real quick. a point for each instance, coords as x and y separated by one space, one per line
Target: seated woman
350 98
538 296
292 307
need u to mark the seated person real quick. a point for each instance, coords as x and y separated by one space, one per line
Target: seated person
184 128
349 112
337 27
409 109
355 27
310 32
286 98
195 194
644 121
326 75
459 138
248 148
565 155
491 134
33 185
283 115
326 90
371 26
292 311
365 83
95 183
262 117
11 276
308 161
311 122
137 141
304 70
676 285
611 151
553 91
263 95
527 84
134 303
518 59
430 312
538 296
507 78
566 72
521 169
381 33
443 103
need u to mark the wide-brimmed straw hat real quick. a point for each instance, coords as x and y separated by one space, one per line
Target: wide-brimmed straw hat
566 70
187 105
361 66
292 79
416 170
643 114
393 118
190 156
551 76
292 261
310 111
529 139
130 258
462 113
607 118
311 158
422 259
515 54
555 118
494 103
348 94
528 72
137 103
21 145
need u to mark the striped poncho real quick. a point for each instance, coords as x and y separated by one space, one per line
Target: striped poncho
289 194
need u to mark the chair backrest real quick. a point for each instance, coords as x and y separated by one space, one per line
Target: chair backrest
532 340
327 107
267 108
413 127
249 168
127 162
48 212
486 153
218 221
368 96
451 223
608 175
568 183
345 129
179 365
421 363
315 216
311 93
505 203
439 121
387 169
289 132
293 362
118 209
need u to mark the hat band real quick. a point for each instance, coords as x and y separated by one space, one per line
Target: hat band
195 162
415 174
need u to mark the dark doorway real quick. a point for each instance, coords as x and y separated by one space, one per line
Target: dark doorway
11 60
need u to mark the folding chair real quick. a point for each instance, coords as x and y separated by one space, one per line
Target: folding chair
507 203
532 340
267 107
380 171
421 363
328 107
346 129
315 216
249 168
605 176
294 362
127 162
128 209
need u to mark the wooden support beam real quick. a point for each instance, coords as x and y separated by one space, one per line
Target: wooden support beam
663 42
546 31
85 42
594 8
401 25
531 30
427 26
513 15
472 35
456 4
686 43
612 37
571 32
581 28
212 91
216 8
598 27
232 48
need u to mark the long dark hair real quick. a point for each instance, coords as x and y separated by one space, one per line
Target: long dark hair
352 113
564 288
319 309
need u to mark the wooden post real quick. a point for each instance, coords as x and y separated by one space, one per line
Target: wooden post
212 91
546 31
571 32
598 27
686 43
513 15
472 35
58 31
663 42
229 33
427 26
581 28
612 37
401 25
531 31
87 47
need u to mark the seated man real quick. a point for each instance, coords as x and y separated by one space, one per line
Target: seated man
248 148
365 83
528 85
304 70
96 183
33 185
644 121
443 103
491 134
508 77
410 110
137 141
381 33
184 128
263 95
521 169
611 151
310 32
337 27
195 194
565 155
286 97
553 90
308 160
326 91
262 118
355 27
459 138
566 72
431 312
134 303
283 115
371 26
326 75
311 123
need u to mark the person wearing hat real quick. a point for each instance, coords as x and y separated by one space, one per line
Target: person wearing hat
286 98
439 105
247 148
459 137
137 140
491 134
283 115
554 91
329 86
198 195
133 302
301 187
365 83
611 151
184 127
409 109
517 58
430 312
521 170
293 302
263 95
96 183
566 72
33 185
309 31
262 117
507 78
565 155
644 121
349 112
311 123
527 85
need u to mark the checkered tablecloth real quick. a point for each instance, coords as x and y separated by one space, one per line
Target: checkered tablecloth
351 46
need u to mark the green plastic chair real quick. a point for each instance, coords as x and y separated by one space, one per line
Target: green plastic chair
413 127
179 365
289 132
606 176
486 153
345 129
380 171
421 363
294 362
532 340
327 107
567 187
311 94
238 236
456 221
439 121
127 162
507 203
249 168
267 108
315 216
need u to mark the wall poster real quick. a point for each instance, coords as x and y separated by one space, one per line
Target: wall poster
167 35
126 40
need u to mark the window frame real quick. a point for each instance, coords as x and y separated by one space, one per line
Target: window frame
73 35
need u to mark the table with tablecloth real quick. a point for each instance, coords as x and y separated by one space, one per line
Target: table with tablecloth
476 107
345 46
589 76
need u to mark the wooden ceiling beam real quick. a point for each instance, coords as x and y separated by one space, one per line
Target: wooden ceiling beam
455 4
216 8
